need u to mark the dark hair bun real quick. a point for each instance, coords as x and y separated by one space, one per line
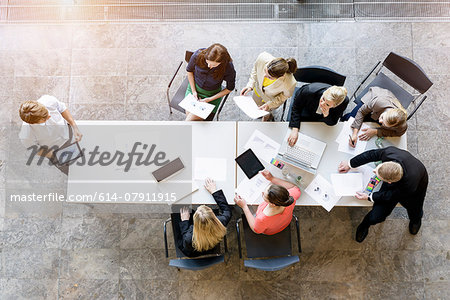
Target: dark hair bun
292 65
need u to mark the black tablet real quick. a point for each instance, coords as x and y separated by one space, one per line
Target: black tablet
68 153
249 163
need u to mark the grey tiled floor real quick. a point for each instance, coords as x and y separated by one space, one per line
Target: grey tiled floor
120 72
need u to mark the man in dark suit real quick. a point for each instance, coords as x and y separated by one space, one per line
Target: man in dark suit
316 102
405 181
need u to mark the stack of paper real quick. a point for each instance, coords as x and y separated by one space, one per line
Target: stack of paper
249 107
263 146
192 105
214 168
322 191
344 137
347 184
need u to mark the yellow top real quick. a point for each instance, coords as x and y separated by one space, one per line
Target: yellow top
266 82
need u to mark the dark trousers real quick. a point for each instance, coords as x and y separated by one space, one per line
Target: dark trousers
352 113
413 205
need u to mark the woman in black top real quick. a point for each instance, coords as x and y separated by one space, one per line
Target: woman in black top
316 102
207 229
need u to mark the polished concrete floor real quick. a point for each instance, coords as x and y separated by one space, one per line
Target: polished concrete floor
120 72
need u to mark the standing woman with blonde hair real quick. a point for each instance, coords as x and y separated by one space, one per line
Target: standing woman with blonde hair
206 70
384 108
272 82
207 229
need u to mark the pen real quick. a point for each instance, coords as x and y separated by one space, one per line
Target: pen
351 139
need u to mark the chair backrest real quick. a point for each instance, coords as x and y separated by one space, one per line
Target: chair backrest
385 82
260 245
408 71
176 219
188 55
319 74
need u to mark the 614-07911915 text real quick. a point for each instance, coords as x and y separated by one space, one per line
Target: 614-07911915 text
119 197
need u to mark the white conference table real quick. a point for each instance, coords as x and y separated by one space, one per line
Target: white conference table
330 159
209 140
223 140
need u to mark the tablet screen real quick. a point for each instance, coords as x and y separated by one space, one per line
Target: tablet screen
249 163
67 154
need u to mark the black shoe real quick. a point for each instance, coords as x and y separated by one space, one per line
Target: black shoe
361 233
414 227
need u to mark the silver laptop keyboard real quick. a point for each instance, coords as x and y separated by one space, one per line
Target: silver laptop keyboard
301 155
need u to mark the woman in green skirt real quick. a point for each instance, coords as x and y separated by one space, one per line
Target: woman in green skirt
206 71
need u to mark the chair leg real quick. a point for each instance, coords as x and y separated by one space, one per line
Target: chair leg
165 237
297 226
417 107
239 237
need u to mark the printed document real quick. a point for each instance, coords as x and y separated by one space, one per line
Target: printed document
344 136
249 107
322 191
264 147
192 105
251 189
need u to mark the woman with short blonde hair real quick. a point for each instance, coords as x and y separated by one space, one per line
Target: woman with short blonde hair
316 102
206 229
382 106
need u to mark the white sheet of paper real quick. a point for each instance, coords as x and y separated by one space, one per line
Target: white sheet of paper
367 173
192 105
215 168
251 189
343 138
346 184
322 192
249 107
264 147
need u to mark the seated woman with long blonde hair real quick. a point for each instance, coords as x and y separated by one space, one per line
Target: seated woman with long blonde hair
207 229
383 107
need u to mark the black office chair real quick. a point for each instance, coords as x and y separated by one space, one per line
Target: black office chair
272 252
198 261
181 91
405 69
316 74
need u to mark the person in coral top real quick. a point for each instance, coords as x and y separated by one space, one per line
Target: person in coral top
275 213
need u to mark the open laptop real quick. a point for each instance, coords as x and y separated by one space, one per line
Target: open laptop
305 154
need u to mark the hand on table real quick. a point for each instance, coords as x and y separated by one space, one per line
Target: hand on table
210 185
185 214
367 134
343 167
293 137
240 201
361 196
353 140
267 175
